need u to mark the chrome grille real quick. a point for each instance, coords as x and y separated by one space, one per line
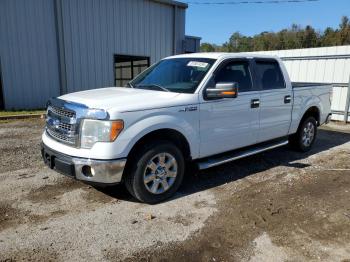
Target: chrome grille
60 137
62 112
61 125
67 127
63 120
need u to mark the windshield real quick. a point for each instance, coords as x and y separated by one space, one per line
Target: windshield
181 75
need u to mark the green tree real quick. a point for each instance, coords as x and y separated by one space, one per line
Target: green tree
206 47
290 38
344 31
310 37
330 37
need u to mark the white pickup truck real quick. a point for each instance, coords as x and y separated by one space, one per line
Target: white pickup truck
206 108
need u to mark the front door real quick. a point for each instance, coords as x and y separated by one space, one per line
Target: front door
230 123
275 100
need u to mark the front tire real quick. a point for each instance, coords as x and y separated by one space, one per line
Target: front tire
155 172
305 136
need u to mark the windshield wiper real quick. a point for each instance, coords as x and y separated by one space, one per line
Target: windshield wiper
153 85
129 84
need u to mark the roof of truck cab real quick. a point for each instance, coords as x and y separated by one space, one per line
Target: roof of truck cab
217 55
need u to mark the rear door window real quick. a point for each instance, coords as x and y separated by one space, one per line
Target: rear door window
269 74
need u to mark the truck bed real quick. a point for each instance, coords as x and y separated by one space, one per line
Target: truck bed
310 93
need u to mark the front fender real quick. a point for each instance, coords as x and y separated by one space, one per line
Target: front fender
134 133
138 124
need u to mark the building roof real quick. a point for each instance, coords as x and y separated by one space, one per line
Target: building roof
171 2
193 37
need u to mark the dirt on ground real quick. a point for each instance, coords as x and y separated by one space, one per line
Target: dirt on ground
280 205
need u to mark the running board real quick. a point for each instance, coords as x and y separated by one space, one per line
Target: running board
215 161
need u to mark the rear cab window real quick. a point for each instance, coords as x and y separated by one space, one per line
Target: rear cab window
269 74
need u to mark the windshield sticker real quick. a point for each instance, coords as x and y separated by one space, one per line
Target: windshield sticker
197 64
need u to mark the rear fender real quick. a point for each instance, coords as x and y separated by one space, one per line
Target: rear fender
301 107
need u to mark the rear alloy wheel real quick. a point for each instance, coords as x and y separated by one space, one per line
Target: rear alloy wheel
308 134
305 136
155 172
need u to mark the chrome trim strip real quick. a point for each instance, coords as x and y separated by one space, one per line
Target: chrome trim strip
212 162
81 110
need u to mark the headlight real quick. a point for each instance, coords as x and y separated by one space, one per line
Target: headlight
93 131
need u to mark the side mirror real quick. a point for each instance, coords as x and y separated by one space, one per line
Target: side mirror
222 90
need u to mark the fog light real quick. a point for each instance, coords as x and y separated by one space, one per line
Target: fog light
88 171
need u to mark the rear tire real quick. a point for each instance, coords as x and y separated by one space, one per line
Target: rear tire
155 172
305 137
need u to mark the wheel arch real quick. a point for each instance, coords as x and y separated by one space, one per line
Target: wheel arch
295 139
133 175
313 111
167 134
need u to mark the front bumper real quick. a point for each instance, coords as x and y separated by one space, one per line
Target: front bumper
90 170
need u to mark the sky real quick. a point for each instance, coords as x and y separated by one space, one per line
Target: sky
216 23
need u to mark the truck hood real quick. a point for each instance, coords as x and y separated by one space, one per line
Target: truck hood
123 99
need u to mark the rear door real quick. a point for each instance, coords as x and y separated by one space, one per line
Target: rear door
230 123
275 100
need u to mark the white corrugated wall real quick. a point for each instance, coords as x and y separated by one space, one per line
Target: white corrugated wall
321 65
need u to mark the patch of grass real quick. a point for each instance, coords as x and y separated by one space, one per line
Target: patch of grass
22 112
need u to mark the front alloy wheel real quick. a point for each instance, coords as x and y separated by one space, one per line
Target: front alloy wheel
160 173
155 172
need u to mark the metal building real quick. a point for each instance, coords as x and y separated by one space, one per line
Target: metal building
322 65
51 47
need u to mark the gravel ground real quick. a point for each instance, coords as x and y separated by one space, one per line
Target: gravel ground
276 206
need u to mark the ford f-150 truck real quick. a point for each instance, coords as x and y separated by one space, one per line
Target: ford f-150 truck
205 108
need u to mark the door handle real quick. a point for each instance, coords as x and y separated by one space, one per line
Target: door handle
287 99
255 103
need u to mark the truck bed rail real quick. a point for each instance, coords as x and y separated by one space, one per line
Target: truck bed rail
308 84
